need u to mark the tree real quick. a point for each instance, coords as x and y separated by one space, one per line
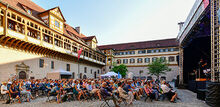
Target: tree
122 69
158 67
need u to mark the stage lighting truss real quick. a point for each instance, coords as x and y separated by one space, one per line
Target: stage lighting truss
215 46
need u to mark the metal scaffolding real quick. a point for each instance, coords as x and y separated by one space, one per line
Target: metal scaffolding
215 43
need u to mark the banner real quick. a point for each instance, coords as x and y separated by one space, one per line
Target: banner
206 3
79 53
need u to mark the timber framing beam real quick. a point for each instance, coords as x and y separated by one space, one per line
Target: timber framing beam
28 48
6 40
12 41
25 46
16 43
22 42
2 38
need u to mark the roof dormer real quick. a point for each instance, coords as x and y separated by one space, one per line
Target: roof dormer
54 18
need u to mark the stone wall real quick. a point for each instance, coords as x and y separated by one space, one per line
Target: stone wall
169 75
9 58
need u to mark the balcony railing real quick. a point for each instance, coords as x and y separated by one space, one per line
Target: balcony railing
25 30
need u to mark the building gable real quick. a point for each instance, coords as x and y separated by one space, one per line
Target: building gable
57 12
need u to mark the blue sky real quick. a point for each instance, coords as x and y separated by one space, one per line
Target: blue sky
121 21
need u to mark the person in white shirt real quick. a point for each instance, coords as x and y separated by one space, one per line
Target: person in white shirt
4 89
166 90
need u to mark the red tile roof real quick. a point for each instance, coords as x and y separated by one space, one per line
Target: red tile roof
88 38
142 45
82 35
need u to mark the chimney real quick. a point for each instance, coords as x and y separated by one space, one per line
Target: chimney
180 25
78 29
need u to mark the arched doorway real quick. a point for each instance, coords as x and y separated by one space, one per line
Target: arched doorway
94 74
22 75
84 77
22 71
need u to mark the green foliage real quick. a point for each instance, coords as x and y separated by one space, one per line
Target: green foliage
158 67
122 69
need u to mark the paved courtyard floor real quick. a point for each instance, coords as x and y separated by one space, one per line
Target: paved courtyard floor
188 99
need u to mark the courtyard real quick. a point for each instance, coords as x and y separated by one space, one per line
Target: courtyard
188 99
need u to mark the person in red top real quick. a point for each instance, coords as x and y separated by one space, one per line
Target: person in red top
149 91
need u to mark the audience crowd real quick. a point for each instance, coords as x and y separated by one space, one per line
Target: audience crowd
118 90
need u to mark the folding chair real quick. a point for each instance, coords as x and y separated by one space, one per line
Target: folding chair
105 102
51 95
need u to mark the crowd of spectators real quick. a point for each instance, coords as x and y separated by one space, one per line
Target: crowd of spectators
118 90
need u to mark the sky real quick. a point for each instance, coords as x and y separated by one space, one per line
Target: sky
122 21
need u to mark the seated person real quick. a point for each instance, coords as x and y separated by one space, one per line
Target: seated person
95 90
123 94
85 91
4 89
128 89
14 92
166 90
108 95
24 91
149 91
66 87
79 88
48 87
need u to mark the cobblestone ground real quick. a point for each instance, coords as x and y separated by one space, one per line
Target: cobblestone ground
188 99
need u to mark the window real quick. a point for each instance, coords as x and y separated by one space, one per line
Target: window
171 49
11 25
166 50
161 50
147 60
125 61
52 64
148 51
171 58
73 74
139 60
133 52
152 51
118 61
98 71
163 58
154 59
85 70
41 63
29 11
141 51
176 49
57 24
157 51
67 67
132 60
91 71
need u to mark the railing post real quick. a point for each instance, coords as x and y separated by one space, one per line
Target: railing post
5 21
